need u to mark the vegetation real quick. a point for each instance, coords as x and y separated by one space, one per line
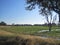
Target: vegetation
23 29
20 39
30 30
26 40
52 34
21 35
44 5
3 23
46 8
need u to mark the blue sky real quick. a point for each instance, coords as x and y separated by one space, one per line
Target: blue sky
13 11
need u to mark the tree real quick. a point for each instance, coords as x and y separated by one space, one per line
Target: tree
47 5
49 18
3 23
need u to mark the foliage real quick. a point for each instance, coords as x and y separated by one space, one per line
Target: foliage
3 23
44 5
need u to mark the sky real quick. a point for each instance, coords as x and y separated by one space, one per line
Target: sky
13 11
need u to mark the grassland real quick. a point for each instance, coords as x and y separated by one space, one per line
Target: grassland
20 35
31 30
23 29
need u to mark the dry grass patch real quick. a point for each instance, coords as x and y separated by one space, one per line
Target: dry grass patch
21 39
5 33
37 40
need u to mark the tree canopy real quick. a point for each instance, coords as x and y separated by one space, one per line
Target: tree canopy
3 23
44 5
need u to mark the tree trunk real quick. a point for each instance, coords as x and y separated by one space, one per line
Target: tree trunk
59 19
50 26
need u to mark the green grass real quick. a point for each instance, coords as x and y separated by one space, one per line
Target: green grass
53 34
23 29
32 30
15 35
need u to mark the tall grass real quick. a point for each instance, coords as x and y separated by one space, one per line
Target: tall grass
29 40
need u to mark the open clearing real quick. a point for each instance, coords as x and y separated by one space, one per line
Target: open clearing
31 30
20 35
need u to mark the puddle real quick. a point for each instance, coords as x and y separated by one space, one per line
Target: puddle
46 37
48 30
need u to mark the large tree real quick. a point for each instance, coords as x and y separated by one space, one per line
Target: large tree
44 5
49 18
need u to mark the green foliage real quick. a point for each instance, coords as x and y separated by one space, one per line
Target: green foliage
3 23
44 6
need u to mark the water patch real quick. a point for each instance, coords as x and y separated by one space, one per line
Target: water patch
48 30
45 37
43 31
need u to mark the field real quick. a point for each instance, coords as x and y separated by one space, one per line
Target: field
31 30
26 29
23 29
17 33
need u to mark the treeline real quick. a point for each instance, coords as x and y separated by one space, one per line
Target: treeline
5 24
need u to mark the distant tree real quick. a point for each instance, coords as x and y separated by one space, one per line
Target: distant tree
3 23
37 24
44 5
27 25
13 24
45 24
53 24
